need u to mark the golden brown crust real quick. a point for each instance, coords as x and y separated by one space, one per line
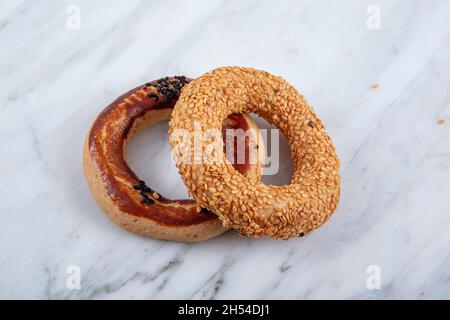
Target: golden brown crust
120 193
256 209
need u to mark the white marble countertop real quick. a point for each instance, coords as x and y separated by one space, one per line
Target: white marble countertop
394 217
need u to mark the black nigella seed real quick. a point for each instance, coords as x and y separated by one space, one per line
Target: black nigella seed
181 78
311 124
154 96
143 190
147 200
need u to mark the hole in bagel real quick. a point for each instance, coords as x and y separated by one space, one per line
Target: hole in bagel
148 155
279 167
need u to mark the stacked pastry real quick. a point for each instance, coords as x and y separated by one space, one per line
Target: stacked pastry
226 186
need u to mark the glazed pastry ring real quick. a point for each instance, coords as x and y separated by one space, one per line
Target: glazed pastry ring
251 207
127 200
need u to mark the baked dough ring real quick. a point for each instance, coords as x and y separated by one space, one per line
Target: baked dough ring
253 208
121 194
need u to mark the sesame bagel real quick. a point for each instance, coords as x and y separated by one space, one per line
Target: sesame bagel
126 199
252 207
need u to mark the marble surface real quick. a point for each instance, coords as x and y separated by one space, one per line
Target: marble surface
395 206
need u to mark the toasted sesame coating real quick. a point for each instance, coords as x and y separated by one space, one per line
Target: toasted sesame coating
252 207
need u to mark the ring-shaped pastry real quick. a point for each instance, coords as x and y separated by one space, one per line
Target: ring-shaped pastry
126 199
252 207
